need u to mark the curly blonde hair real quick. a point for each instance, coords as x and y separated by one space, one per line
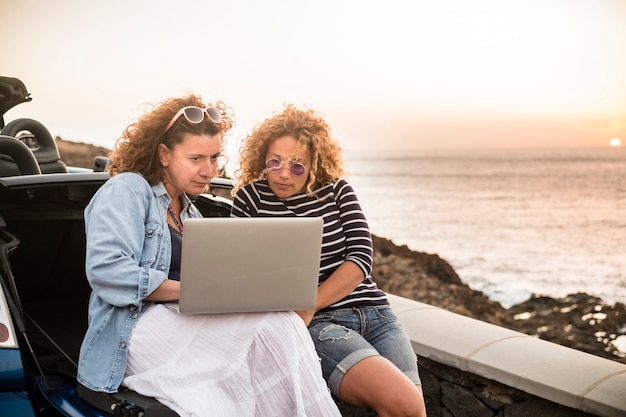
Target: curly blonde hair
310 130
137 149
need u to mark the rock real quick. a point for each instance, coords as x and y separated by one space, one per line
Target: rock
461 402
540 407
429 279
497 396
460 393
79 154
579 321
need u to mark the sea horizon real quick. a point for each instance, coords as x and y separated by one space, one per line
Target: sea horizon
511 222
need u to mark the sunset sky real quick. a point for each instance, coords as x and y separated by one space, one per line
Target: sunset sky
387 75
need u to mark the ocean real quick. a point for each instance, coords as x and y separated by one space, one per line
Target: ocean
512 223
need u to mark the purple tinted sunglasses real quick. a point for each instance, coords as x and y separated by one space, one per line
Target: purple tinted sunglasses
276 165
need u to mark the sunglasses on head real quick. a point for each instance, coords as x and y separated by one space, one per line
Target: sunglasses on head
195 115
276 165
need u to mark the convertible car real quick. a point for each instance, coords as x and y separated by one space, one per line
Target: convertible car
43 302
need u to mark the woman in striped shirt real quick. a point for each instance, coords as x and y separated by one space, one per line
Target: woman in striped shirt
291 166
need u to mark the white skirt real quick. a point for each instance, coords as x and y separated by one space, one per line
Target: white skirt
254 364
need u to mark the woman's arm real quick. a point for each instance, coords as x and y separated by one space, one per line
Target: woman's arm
339 285
169 290
355 227
116 231
358 253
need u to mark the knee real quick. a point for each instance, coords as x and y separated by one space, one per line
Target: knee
409 407
417 406
404 406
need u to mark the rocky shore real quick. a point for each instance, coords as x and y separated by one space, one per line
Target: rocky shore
580 321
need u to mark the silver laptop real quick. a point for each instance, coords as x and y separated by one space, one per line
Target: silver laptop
250 264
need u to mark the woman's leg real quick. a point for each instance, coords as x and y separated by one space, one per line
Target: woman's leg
286 372
378 384
194 364
355 370
385 333
233 364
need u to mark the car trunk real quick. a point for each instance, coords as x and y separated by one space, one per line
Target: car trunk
48 270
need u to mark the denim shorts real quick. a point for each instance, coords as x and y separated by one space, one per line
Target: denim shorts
346 336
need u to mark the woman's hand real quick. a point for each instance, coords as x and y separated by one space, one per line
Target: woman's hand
169 290
341 283
306 315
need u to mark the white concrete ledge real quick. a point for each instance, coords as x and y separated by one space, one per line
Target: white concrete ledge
557 373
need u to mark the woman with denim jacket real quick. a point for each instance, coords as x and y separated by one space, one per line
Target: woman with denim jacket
260 364
291 166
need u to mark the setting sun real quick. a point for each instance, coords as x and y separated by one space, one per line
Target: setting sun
615 142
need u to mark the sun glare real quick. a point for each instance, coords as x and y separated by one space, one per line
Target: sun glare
615 142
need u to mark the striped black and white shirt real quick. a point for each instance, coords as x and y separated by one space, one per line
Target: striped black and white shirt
346 235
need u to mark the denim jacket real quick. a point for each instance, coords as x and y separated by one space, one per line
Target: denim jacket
128 256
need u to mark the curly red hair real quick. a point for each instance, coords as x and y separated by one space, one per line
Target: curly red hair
137 149
310 130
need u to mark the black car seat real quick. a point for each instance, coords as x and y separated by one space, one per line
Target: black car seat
37 137
16 158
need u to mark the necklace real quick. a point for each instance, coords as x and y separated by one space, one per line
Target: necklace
172 214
